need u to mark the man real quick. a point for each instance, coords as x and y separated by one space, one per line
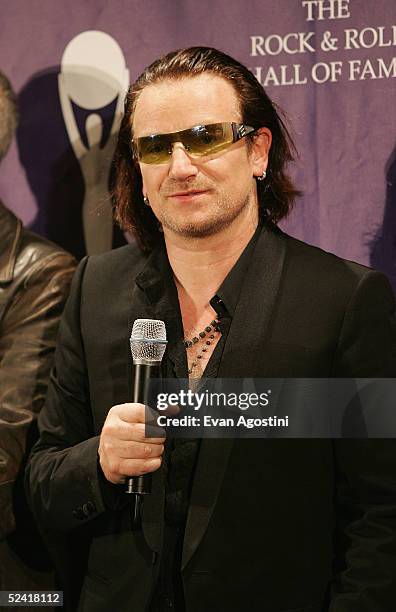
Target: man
230 524
35 278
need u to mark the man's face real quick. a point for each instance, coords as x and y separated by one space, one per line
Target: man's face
198 196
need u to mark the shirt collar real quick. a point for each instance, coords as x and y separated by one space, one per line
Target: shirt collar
225 300
156 278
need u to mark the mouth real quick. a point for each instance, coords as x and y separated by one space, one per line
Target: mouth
188 195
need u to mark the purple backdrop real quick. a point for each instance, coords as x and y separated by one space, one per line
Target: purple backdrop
331 65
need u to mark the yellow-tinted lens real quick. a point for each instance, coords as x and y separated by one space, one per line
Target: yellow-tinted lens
154 149
207 139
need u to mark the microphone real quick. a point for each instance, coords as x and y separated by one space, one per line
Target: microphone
148 344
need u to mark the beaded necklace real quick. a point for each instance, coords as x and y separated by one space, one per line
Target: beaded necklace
209 333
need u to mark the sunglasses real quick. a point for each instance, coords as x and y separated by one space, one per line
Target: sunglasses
197 141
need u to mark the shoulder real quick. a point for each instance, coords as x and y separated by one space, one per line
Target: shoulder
35 249
326 269
127 255
23 253
313 259
110 271
316 274
126 259
41 263
34 260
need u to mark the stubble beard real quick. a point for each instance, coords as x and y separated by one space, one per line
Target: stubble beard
223 215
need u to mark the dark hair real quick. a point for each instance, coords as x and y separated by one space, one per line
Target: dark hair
8 114
276 194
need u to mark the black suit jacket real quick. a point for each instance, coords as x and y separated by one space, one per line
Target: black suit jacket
273 524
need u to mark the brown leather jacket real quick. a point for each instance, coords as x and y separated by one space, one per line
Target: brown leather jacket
35 277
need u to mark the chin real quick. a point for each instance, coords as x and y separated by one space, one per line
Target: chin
198 228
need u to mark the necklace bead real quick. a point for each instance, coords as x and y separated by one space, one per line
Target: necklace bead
213 327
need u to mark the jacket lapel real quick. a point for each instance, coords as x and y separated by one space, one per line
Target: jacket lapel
247 334
251 321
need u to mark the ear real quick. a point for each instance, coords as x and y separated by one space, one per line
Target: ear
260 150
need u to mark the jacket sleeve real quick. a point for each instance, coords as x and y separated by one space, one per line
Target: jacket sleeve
27 344
62 477
366 468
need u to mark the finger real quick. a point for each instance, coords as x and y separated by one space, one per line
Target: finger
121 430
138 467
130 412
134 450
153 433
135 413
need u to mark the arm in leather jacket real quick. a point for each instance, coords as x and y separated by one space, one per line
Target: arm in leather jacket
35 298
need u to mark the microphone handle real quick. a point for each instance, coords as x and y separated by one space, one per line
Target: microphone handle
141 485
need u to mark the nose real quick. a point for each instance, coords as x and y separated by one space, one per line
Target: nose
181 166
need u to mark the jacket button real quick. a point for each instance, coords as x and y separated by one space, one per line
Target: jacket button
89 508
78 513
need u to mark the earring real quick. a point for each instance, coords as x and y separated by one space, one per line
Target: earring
262 176
146 200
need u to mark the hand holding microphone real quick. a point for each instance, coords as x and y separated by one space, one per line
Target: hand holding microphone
123 449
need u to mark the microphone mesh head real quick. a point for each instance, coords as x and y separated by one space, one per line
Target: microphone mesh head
148 341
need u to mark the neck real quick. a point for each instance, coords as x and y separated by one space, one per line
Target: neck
201 264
